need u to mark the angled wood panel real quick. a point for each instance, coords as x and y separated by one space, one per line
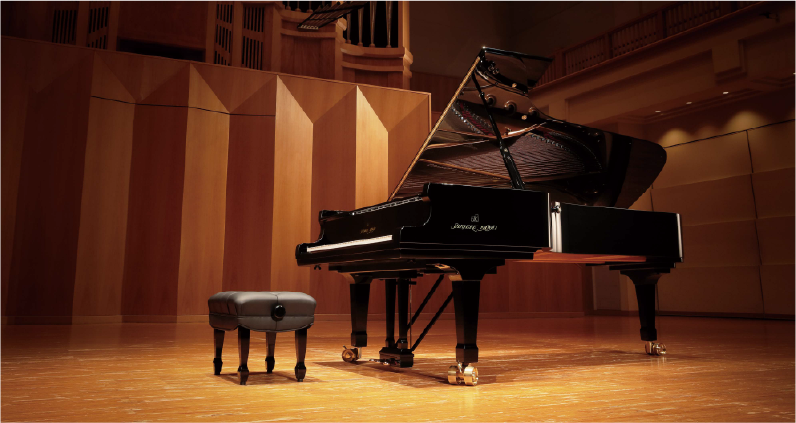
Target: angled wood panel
14 104
41 277
772 147
405 140
250 200
292 191
103 214
334 157
371 159
152 254
776 236
711 289
203 209
723 200
721 244
778 288
774 192
706 160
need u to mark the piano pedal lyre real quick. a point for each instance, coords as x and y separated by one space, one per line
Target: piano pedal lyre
655 348
463 374
351 355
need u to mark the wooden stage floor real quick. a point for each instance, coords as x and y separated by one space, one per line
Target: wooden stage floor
584 369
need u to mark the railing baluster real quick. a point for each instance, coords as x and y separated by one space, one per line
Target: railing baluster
372 11
389 22
360 13
348 23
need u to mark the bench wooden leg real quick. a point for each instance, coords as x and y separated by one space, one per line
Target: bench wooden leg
270 338
218 343
301 350
243 352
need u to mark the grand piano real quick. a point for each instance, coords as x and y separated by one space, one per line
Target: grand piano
499 180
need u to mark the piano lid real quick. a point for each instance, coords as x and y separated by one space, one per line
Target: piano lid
574 163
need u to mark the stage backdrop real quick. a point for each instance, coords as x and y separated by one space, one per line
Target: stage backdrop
135 187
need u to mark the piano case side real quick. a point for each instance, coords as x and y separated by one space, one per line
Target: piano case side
613 231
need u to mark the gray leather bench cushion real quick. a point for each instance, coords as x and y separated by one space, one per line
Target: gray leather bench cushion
252 310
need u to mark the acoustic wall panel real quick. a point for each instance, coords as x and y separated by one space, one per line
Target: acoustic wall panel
103 213
772 147
774 192
776 236
14 105
717 201
732 289
721 244
157 176
41 278
371 156
203 210
778 288
249 200
706 160
292 191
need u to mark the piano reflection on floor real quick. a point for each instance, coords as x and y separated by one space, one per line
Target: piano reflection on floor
499 180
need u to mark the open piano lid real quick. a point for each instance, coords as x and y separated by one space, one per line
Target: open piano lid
574 163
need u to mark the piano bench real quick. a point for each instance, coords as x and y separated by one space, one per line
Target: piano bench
269 312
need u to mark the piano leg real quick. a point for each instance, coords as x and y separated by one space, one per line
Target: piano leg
359 291
645 282
466 295
389 294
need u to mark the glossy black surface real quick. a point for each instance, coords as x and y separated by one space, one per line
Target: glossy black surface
575 164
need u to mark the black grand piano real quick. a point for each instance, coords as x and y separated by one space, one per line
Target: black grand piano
498 180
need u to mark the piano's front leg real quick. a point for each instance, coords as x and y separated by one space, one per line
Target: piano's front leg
359 290
645 282
466 298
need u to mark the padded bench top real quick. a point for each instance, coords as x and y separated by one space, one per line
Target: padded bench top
253 310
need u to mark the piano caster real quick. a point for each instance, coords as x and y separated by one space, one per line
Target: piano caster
467 376
655 348
351 355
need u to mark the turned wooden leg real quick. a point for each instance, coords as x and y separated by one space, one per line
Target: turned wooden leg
270 338
218 343
301 350
243 353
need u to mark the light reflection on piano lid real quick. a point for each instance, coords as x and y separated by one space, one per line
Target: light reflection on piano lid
574 163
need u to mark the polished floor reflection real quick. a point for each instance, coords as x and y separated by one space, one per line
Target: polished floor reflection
585 369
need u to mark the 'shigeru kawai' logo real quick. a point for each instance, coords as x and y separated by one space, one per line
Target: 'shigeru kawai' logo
475 228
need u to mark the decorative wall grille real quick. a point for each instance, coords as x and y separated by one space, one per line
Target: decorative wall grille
253 36
98 24
223 40
64 22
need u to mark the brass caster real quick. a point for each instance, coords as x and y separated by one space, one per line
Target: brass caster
350 355
454 375
655 348
470 376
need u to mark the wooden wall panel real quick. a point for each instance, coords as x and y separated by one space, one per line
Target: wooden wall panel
778 288
292 191
723 200
774 192
772 147
152 254
14 105
721 244
334 176
203 210
371 156
250 200
541 287
103 214
706 160
405 141
41 277
712 289
776 237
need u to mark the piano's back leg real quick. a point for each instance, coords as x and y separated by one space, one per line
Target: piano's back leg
645 282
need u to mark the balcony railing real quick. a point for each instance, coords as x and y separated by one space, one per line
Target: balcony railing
663 23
